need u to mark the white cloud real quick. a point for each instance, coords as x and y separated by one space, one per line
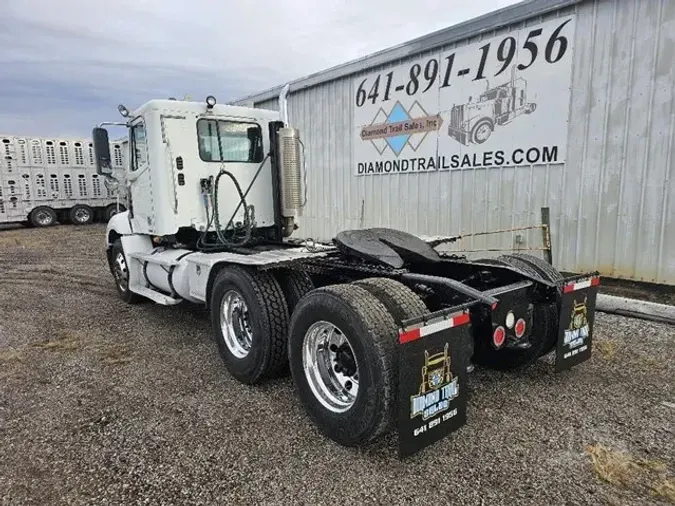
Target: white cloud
66 64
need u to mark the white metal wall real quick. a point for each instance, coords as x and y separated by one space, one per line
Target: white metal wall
612 202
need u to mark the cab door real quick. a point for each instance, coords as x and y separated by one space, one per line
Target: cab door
138 176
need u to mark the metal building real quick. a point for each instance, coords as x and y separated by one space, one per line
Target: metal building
567 104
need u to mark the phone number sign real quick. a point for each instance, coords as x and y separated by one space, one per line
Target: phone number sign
502 101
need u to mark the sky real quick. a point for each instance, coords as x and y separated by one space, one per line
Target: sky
66 64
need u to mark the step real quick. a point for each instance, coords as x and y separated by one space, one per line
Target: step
155 296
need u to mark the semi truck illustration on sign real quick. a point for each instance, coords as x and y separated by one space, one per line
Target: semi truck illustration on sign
474 122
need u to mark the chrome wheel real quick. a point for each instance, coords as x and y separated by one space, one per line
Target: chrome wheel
330 366
235 324
121 272
43 218
82 215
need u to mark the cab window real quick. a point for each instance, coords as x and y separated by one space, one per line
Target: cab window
139 154
229 141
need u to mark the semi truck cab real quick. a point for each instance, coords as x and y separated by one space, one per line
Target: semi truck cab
177 149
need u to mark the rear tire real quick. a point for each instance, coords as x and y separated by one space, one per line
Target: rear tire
295 285
548 272
120 271
250 323
357 404
42 216
81 214
401 302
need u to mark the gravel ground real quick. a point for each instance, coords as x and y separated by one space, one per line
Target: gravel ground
104 403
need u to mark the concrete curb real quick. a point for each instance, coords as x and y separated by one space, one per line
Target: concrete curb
634 308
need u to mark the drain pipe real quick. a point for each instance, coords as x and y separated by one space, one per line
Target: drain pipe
633 308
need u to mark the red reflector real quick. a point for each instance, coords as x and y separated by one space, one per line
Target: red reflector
494 306
520 328
411 335
499 336
461 319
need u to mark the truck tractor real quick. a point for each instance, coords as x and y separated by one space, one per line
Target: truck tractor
474 122
216 193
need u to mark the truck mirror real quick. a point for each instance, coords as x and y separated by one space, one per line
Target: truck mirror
102 151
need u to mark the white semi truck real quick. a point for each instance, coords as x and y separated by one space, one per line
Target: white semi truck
44 181
379 329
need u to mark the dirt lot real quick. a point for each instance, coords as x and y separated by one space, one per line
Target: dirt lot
104 403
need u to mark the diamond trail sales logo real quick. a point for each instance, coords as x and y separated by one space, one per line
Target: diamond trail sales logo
401 127
438 386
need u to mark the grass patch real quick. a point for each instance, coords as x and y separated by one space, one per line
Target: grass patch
63 340
626 471
116 356
608 349
8 356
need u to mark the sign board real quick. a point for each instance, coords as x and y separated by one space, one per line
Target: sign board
432 395
503 101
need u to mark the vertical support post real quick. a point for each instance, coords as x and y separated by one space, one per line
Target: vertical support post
546 234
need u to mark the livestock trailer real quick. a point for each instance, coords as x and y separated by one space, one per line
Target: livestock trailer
44 181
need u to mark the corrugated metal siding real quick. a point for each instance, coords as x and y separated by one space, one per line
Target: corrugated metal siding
611 203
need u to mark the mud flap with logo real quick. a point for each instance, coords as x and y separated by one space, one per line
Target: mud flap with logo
432 393
577 315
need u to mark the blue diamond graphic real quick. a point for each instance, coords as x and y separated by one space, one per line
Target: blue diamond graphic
398 113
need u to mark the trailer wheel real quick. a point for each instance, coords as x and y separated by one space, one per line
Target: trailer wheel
250 322
120 271
543 330
344 363
295 285
401 302
81 214
42 216
482 131
548 272
111 210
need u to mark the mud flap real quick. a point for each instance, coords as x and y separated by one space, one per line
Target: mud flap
432 392
577 315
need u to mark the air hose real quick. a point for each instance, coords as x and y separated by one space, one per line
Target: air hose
214 218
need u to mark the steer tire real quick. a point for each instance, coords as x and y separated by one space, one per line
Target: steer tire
540 334
120 272
267 319
372 334
549 273
401 302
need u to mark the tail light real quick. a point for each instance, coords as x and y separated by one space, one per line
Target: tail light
499 336
520 328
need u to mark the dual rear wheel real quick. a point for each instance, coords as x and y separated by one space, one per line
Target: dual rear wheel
339 342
